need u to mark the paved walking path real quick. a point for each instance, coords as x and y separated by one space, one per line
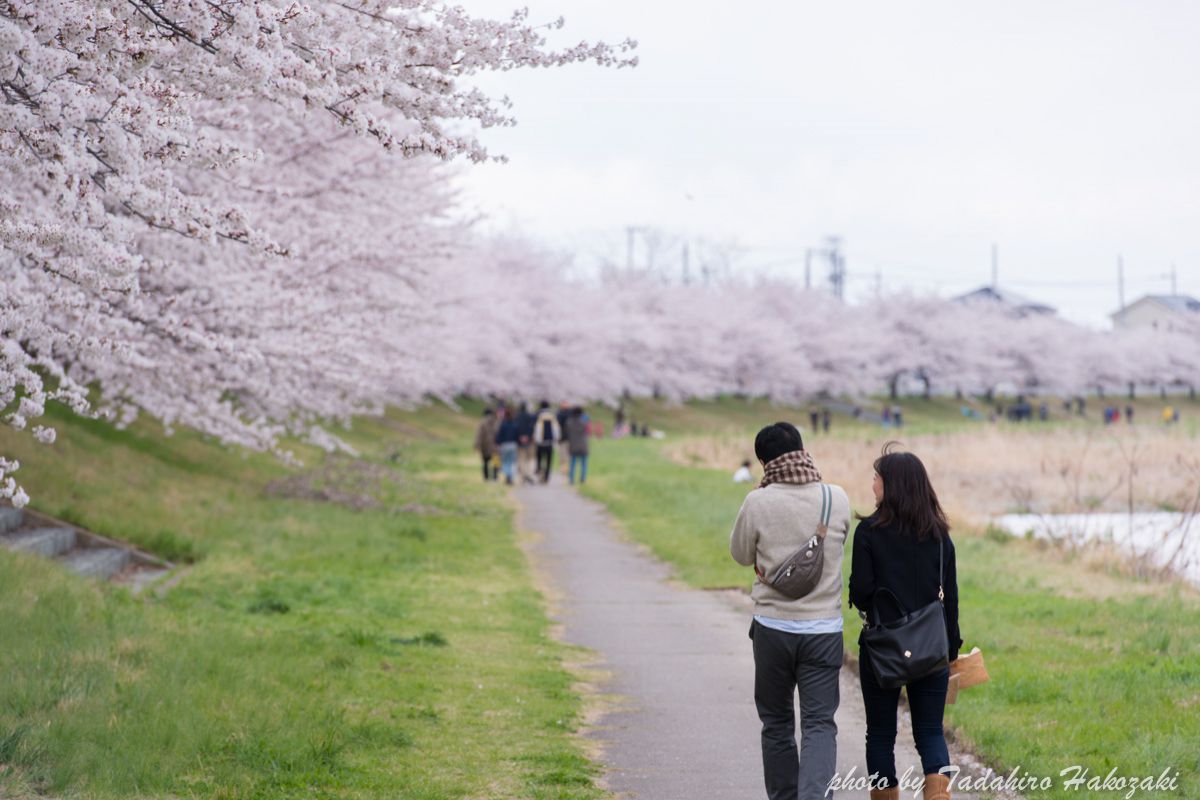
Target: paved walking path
684 726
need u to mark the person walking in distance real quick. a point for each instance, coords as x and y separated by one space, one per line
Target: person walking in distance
546 434
506 440
485 443
525 445
576 434
564 453
797 642
904 547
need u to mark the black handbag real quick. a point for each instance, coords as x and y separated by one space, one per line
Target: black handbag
911 647
800 572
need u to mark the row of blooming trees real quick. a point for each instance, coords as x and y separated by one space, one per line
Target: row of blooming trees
631 333
233 215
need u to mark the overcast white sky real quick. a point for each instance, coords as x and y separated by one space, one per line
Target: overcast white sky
920 132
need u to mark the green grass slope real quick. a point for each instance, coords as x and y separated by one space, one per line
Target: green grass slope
311 649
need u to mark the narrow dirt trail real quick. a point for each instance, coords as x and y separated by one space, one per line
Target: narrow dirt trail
679 662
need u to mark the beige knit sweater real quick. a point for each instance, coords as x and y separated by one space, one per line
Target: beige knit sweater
776 520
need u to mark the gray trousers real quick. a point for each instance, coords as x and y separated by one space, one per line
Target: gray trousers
783 663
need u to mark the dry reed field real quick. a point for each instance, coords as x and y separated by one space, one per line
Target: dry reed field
1003 469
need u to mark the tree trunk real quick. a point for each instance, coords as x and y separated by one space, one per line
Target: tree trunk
1132 390
893 383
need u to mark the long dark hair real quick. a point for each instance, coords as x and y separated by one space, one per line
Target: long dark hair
908 497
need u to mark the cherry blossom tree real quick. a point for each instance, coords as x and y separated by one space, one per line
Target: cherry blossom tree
126 124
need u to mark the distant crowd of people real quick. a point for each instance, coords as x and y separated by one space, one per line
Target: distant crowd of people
519 443
1022 411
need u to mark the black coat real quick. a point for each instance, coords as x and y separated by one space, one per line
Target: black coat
525 422
890 557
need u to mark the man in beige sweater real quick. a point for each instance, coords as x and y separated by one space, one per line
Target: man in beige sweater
797 643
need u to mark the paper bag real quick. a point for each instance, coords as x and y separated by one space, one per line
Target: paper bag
969 669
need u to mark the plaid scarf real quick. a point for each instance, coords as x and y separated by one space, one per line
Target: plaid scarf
794 467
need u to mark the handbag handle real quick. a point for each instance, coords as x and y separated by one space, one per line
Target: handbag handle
896 600
875 604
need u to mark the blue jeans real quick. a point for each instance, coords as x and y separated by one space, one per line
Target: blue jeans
582 462
508 460
926 703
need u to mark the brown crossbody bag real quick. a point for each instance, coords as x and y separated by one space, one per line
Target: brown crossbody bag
800 572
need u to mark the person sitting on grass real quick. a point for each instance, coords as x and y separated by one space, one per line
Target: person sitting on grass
743 474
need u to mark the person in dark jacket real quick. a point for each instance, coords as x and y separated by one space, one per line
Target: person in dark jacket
576 434
564 452
506 439
525 446
485 443
546 432
897 548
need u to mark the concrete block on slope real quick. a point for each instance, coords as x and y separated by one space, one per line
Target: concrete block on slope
48 542
10 519
98 562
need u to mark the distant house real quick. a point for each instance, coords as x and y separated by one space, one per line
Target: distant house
1159 311
1017 304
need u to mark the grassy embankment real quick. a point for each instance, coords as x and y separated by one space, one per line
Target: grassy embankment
311 649
1088 666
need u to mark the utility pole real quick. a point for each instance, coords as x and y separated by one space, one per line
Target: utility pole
808 268
629 232
995 266
837 267
687 277
1121 282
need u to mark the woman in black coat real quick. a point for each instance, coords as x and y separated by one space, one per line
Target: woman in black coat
896 548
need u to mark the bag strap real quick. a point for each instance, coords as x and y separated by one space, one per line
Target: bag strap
826 510
896 600
941 595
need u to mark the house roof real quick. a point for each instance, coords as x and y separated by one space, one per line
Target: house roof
998 295
1179 303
